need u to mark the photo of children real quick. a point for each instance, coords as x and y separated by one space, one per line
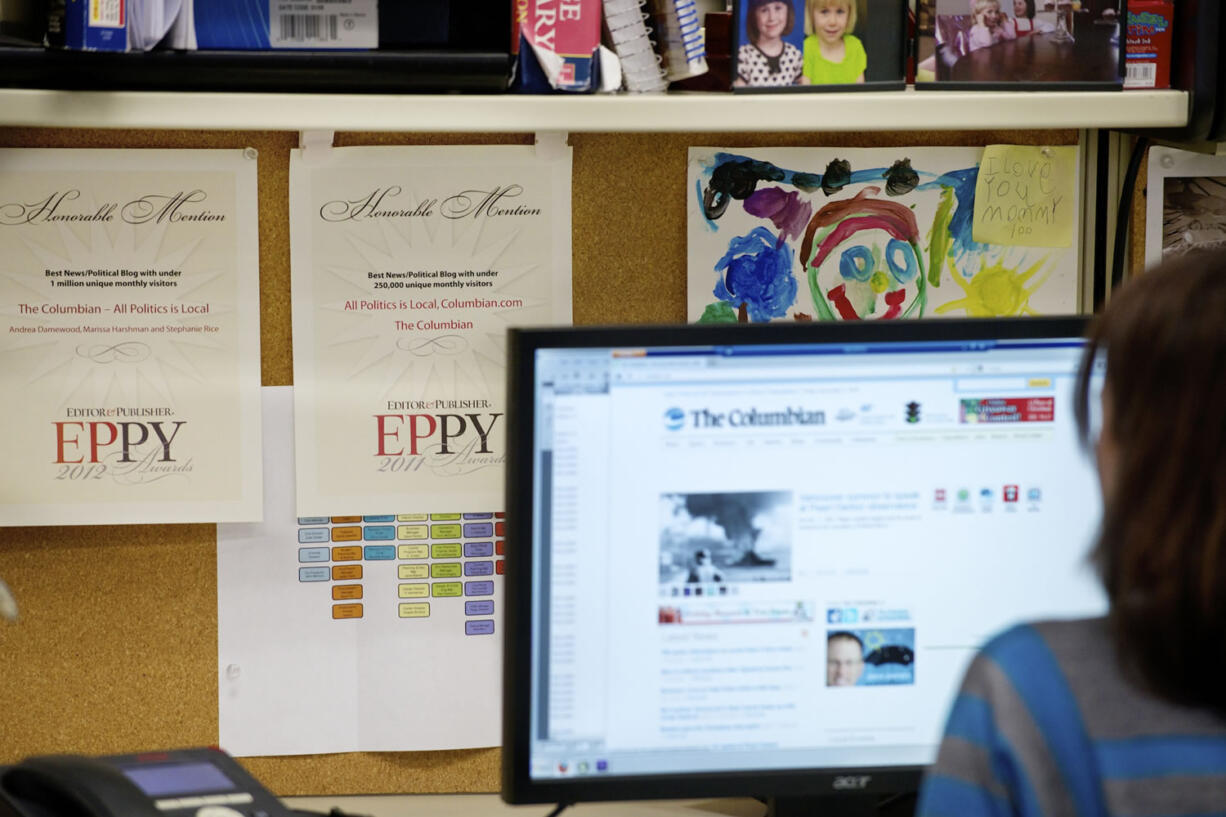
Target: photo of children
815 45
723 538
1076 44
833 55
870 657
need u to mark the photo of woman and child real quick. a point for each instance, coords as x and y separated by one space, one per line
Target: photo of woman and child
992 25
821 50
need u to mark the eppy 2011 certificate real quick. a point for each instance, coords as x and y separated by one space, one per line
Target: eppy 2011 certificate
129 349
408 265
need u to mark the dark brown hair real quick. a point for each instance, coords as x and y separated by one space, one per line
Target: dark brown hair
751 22
1161 551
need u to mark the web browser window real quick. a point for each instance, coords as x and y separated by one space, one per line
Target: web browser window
768 557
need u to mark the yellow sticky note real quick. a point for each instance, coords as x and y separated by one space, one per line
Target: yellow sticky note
1025 196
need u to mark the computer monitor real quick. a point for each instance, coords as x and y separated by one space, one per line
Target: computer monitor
756 560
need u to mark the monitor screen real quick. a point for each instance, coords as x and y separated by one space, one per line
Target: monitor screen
758 559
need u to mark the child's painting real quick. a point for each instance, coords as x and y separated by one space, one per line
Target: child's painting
1075 44
828 234
784 45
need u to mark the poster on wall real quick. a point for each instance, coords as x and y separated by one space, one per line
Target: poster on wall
825 234
131 342
408 264
1186 205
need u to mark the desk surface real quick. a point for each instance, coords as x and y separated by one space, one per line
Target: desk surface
490 805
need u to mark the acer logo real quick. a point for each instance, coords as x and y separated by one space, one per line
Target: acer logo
852 781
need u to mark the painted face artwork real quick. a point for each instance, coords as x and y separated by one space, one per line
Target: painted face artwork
867 243
830 23
772 19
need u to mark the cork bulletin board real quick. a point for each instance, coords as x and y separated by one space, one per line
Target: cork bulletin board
115 649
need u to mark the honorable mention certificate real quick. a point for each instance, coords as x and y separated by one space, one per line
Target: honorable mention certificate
408 264
129 350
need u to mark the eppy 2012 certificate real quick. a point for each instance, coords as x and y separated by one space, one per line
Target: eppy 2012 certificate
408 265
130 337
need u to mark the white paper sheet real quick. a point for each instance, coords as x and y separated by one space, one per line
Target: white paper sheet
413 664
130 336
408 265
887 235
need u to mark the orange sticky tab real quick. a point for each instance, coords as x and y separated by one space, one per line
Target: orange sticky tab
346 572
347 534
346 611
348 553
346 592
346 520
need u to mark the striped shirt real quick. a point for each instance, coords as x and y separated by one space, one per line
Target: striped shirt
1045 724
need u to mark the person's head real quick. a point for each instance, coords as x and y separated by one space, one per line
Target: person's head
987 13
844 659
1023 9
1161 455
769 19
830 19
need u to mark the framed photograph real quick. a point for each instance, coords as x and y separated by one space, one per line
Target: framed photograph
1073 45
819 45
1186 203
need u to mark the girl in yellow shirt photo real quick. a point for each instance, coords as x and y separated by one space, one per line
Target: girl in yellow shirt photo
832 54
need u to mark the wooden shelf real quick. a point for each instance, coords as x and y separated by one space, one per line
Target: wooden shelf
674 112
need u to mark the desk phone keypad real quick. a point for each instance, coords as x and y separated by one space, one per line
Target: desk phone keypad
439 558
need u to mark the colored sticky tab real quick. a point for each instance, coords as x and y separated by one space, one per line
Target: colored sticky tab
479 608
478 588
1025 196
420 609
478 549
347 534
312 520
478 568
378 552
442 589
379 533
414 551
500 528
442 517
347 611
450 550
500 567
413 591
478 515
346 592
412 517
474 530
310 535
379 518
445 531
351 553
343 573
312 574
413 571
444 570
412 532
345 520
313 554
484 627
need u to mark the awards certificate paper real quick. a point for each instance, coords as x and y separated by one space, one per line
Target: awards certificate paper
131 342
408 264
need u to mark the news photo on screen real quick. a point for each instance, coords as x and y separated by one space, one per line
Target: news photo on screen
1068 44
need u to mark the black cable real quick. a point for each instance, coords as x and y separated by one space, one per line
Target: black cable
558 809
1123 215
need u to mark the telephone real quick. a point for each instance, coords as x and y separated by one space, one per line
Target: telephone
203 782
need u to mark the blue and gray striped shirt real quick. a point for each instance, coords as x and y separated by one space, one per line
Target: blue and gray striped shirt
1045 724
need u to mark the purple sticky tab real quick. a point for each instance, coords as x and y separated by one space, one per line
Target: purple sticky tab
479 608
478 588
476 529
483 627
478 568
478 549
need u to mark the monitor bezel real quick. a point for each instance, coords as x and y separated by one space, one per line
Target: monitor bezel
517 786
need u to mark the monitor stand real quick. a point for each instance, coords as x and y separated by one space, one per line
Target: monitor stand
824 805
